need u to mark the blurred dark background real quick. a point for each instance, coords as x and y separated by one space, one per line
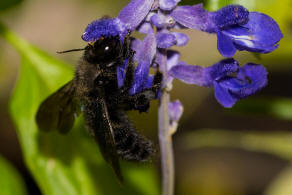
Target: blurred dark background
246 150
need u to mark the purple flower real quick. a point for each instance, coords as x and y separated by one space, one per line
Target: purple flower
162 21
230 81
260 34
168 5
228 16
175 110
145 52
194 17
101 27
134 13
121 73
165 40
236 28
129 18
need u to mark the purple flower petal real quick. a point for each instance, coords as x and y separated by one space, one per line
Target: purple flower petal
121 73
168 4
172 58
191 74
225 45
231 82
145 28
144 56
195 17
158 20
149 15
181 38
261 34
223 96
136 45
140 78
149 81
222 69
148 48
133 14
162 21
250 79
230 15
101 27
175 110
165 40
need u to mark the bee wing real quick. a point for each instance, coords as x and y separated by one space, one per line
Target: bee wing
104 136
59 110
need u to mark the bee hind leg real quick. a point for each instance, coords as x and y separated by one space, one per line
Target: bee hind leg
130 144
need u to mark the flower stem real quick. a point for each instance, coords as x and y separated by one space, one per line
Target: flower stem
165 140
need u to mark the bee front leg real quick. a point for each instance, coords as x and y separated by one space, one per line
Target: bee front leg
129 77
126 46
141 101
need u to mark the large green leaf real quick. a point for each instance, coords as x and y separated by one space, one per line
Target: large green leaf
10 181
63 164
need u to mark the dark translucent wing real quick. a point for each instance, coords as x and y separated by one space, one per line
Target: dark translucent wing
98 121
59 110
106 141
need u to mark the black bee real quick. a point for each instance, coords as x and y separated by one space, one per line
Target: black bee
95 89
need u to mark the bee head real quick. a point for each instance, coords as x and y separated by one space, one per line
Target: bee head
104 50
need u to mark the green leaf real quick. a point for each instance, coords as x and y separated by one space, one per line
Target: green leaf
63 164
10 181
278 144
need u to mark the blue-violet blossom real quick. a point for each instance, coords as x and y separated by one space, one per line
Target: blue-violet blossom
236 29
230 81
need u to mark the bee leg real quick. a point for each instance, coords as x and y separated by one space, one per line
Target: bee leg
130 144
126 47
157 82
141 101
129 77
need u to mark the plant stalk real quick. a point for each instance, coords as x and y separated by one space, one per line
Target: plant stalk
165 139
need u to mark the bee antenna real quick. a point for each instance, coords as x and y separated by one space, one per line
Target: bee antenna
71 50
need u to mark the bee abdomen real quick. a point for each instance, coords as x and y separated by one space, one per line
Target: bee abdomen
132 146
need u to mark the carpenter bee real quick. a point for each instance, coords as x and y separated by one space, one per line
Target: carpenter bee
95 89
